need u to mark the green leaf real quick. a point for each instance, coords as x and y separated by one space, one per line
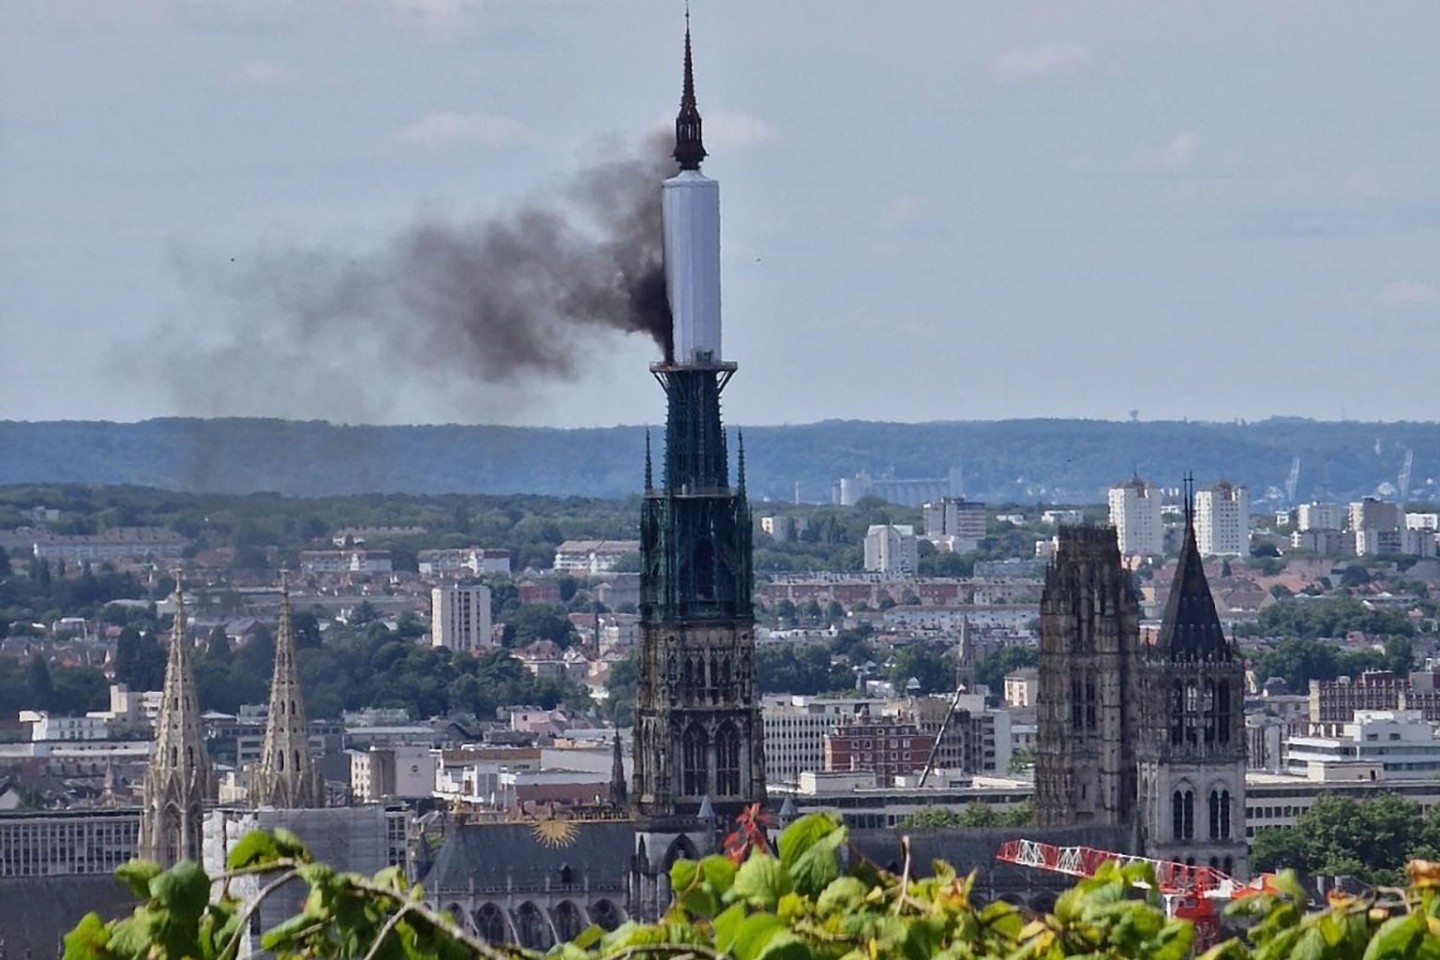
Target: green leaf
727 926
290 845
283 933
755 933
256 847
184 889
588 937
89 938
803 834
762 881
1395 937
842 895
719 873
683 874
138 874
813 870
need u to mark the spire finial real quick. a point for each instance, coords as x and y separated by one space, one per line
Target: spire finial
740 460
689 145
1189 498
649 477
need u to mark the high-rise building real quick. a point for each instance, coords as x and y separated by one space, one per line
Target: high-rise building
460 617
890 550
1135 515
1319 516
286 777
1222 520
961 520
1373 514
699 741
179 781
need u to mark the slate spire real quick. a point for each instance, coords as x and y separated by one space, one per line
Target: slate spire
178 779
286 777
1190 629
689 145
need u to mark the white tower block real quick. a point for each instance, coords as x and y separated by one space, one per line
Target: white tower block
691 210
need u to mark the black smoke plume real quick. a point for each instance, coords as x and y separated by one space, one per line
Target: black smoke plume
505 299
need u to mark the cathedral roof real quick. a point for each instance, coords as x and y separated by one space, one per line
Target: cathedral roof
1190 629
532 856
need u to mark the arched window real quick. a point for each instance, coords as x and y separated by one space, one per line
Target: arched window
1229 864
1192 713
1077 705
727 761
1182 814
695 770
490 924
704 560
295 761
605 914
569 921
1214 815
1225 815
279 761
532 928
1090 720
567 875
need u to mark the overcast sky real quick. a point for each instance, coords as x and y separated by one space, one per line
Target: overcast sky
932 210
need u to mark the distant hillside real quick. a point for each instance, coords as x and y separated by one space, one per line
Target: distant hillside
1011 460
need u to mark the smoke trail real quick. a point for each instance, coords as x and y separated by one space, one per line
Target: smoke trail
501 300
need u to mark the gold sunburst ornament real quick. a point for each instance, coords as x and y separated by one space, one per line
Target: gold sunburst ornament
556 833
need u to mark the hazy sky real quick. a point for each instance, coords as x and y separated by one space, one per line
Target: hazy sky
932 210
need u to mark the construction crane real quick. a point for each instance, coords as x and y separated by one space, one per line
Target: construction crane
1190 892
1292 482
1404 479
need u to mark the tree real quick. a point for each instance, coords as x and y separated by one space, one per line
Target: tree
139 660
748 902
934 671
39 686
992 668
538 621
1371 840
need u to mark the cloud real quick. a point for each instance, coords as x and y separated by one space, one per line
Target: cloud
1410 293
732 131
1051 63
1176 155
259 74
450 128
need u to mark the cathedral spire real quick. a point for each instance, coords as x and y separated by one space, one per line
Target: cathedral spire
286 778
619 794
178 779
689 145
649 474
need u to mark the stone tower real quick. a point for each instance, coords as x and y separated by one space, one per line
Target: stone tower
1192 750
285 777
1087 705
178 781
698 754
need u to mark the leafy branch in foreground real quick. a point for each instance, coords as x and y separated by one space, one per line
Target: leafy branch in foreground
795 903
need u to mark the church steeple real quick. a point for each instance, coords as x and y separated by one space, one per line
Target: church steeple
1190 628
286 778
619 794
178 779
689 145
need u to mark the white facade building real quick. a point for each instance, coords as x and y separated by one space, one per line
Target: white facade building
460 617
1222 520
1319 516
591 557
45 727
1377 744
890 550
795 729
961 520
1135 515
1422 521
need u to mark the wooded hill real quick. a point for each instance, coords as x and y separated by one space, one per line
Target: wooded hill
1024 461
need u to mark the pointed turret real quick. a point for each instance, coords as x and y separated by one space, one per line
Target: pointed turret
619 794
286 778
178 779
1190 629
689 142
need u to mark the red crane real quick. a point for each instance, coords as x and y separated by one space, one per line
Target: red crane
1190 892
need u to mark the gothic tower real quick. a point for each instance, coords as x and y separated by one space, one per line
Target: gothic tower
286 778
698 734
1086 707
1192 751
178 779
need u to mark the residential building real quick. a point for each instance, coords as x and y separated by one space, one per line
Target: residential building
462 561
460 617
1375 745
1022 687
1135 515
958 522
890 550
1373 514
795 731
887 746
353 561
1319 516
399 771
43 726
783 529
1422 521
1066 517
1222 520
589 557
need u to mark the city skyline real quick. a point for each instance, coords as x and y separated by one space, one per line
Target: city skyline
1018 212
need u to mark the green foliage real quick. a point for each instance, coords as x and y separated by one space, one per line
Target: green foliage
803 669
1341 836
992 668
973 815
1331 617
794 906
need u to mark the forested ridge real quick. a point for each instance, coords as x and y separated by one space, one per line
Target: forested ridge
1007 460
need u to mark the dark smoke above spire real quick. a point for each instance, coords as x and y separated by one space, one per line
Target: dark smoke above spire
689 143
